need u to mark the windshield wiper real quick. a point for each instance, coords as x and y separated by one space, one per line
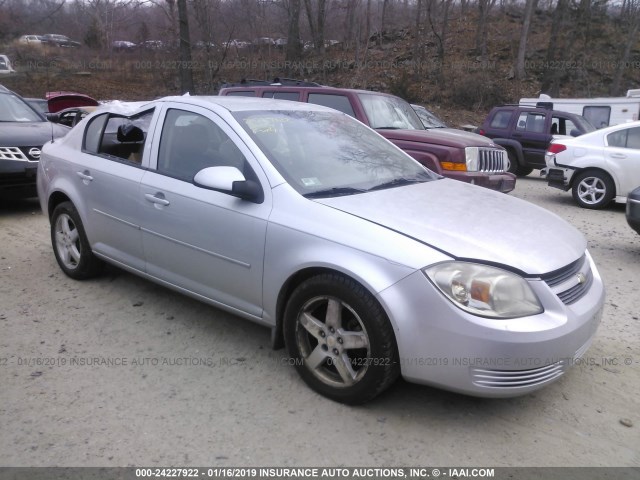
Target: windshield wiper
334 192
396 182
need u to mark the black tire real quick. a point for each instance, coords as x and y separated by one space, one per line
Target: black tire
513 162
70 244
593 189
369 366
524 171
515 167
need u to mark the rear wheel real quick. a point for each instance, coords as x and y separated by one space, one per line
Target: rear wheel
593 189
70 244
340 338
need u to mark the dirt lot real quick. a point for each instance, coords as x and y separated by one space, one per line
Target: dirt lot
190 385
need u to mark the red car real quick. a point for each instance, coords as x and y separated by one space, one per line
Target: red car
460 155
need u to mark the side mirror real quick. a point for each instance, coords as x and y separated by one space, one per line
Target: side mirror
575 132
52 117
231 181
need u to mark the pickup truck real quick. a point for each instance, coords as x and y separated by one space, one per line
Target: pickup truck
459 155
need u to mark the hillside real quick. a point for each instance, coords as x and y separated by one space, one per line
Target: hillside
461 88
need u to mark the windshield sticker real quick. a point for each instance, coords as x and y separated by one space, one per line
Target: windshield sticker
311 182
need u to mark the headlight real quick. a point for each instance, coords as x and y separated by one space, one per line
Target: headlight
485 291
472 155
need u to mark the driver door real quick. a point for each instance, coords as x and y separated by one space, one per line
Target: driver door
205 242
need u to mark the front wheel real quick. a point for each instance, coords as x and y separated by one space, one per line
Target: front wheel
70 244
593 189
514 167
340 338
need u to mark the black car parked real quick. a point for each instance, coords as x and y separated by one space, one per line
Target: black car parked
633 209
59 41
23 132
526 133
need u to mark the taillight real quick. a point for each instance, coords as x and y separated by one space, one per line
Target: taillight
556 148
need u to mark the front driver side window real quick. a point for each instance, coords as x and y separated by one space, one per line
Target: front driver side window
191 142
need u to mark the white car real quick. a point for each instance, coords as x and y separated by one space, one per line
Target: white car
599 166
31 39
5 65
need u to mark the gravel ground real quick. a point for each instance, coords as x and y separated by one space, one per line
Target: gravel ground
191 385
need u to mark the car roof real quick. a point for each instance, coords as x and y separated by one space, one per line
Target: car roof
4 89
526 108
298 88
238 104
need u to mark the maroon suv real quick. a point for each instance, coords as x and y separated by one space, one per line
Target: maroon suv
460 155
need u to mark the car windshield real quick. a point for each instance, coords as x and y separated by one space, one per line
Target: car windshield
329 154
428 119
14 109
387 112
585 124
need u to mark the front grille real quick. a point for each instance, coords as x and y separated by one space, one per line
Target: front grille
572 282
517 378
491 160
12 153
19 153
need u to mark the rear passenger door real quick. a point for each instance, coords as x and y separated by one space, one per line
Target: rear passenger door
533 133
115 154
622 154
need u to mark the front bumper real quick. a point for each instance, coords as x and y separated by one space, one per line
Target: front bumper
502 182
633 213
18 178
443 346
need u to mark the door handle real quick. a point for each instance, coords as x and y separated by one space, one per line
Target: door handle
158 199
618 155
85 176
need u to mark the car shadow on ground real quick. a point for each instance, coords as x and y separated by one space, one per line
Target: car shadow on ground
252 342
12 207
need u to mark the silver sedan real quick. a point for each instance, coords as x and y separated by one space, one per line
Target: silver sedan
363 263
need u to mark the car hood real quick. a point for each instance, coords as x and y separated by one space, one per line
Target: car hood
470 222
449 137
18 134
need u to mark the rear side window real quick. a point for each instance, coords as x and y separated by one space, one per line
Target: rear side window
117 136
501 119
294 96
627 138
531 122
598 116
337 102
244 93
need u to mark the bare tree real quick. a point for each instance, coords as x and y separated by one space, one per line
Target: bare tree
294 46
529 8
186 74
553 76
630 18
484 8
316 19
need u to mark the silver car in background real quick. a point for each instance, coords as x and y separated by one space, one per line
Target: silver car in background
363 263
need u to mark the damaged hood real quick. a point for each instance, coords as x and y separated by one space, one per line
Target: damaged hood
472 223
